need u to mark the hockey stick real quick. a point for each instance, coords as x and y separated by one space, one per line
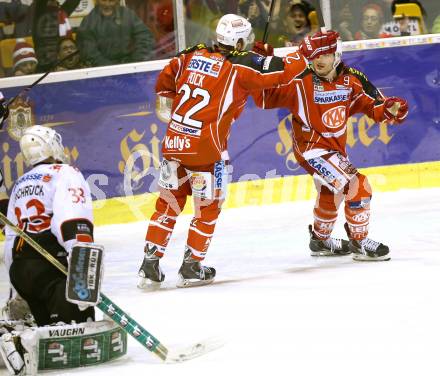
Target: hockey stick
320 16
26 89
127 323
269 17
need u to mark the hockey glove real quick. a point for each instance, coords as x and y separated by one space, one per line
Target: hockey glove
395 109
261 48
319 44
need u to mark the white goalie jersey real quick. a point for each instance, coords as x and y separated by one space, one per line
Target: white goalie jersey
52 197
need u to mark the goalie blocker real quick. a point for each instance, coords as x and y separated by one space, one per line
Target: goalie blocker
84 274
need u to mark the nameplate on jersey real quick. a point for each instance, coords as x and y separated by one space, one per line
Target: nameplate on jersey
333 96
205 65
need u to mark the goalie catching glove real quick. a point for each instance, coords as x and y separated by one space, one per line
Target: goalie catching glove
84 275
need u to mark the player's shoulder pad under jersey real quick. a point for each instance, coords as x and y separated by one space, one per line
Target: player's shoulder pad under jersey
367 86
197 47
262 64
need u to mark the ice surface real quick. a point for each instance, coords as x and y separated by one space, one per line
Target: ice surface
280 311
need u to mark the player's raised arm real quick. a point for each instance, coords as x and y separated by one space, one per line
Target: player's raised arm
370 101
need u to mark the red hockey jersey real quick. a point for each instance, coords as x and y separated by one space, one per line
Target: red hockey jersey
209 90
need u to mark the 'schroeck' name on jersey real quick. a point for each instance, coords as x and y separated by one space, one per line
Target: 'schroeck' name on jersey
177 143
29 190
323 97
205 65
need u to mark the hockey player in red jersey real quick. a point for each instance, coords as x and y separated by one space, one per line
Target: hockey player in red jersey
322 95
208 88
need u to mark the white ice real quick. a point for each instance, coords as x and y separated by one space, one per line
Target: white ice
280 311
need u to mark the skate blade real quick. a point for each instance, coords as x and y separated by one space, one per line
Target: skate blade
357 257
182 282
201 348
148 284
327 254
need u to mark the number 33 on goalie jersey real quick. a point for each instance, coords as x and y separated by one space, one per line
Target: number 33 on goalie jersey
209 90
53 197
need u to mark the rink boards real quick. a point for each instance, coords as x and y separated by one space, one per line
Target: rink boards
108 120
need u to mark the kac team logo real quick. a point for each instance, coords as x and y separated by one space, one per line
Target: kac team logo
335 117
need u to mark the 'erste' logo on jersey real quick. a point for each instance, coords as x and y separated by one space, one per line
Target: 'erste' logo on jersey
335 117
205 65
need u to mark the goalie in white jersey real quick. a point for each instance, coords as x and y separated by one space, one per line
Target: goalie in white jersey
52 203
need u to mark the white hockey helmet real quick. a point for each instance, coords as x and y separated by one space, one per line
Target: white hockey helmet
39 143
231 28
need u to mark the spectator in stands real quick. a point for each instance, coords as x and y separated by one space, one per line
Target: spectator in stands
345 20
402 25
165 39
50 24
15 12
113 34
66 47
295 24
24 58
255 12
371 23
436 25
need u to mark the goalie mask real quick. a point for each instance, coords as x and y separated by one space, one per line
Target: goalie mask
231 28
39 143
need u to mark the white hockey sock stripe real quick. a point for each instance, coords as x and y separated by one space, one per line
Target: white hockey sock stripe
200 232
154 223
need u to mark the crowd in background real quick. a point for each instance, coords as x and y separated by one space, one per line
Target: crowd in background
36 35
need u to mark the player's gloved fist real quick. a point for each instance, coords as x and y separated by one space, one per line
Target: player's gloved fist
395 109
319 44
261 48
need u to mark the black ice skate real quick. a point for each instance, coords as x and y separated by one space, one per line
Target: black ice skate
328 247
369 250
150 273
192 273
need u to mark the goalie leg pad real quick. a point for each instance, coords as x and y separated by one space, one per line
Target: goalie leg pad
85 274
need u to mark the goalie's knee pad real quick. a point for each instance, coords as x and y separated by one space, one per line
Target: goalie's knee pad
67 346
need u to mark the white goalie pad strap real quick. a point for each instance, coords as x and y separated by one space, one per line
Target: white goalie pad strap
85 274
333 171
168 175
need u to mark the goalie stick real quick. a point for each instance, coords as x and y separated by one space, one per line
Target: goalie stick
127 323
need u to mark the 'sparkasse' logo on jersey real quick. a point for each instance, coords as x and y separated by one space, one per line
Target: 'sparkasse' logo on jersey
205 65
323 97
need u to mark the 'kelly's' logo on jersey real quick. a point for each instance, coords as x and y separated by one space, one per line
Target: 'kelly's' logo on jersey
177 143
205 65
323 97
